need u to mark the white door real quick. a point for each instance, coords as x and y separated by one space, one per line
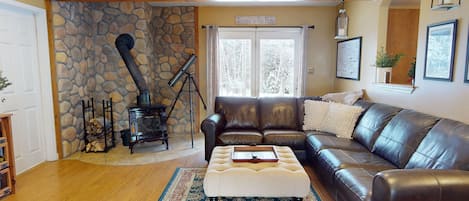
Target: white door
19 62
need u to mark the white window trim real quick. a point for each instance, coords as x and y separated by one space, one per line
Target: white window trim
255 34
286 33
249 33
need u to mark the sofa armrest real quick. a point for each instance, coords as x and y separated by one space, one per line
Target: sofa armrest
420 185
212 126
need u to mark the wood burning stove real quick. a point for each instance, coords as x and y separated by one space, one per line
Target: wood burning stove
147 123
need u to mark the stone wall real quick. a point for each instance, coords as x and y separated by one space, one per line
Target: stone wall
173 37
74 57
89 65
112 76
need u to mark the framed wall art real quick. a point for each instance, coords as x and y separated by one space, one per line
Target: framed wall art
466 74
348 58
445 4
439 53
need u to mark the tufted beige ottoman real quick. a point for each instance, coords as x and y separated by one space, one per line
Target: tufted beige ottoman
285 178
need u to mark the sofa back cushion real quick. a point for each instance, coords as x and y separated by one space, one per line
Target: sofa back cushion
446 146
239 112
372 123
401 136
363 104
278 113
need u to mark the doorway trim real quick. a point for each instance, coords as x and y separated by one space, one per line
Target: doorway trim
47 106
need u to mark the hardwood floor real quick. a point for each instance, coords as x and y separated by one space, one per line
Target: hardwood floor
71 180
317 184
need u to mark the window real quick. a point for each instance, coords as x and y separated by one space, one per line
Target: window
259 61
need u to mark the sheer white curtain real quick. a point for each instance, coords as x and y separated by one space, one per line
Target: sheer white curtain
212 39
303 61
212 65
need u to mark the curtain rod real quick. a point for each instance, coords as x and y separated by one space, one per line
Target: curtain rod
311 26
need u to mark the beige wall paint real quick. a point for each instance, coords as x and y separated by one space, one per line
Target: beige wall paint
363 21
321 47
37 3
444 99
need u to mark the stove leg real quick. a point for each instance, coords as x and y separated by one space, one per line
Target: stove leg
131 147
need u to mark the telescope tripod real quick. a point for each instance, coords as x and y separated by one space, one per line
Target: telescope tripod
190 77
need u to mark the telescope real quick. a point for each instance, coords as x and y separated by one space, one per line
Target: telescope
182 70
190 77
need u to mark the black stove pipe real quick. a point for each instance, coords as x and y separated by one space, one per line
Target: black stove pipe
124 43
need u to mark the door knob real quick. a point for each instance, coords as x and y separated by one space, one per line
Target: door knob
3 99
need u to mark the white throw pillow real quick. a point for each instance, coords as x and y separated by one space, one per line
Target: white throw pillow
341 119
348 97
315 111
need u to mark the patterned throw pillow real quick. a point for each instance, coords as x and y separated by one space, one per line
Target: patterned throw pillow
340 119
315 111
347 98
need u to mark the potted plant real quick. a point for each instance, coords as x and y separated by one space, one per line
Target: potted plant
411 72
3 82
384 64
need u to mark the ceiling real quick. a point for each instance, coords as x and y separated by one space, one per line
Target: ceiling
394 3
245 3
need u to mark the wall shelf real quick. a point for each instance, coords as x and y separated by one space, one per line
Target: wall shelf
399 88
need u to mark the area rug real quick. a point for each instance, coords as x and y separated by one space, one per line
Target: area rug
186 185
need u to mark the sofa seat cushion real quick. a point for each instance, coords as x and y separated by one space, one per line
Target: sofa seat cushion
292 138
354 183
339 159
311 132
320 142
332 160
240 137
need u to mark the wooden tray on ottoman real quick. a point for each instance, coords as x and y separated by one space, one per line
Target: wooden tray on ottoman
254 154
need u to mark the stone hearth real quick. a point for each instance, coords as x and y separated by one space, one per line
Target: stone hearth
88 64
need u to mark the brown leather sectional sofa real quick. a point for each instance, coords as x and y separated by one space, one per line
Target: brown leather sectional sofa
395 155
256 121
